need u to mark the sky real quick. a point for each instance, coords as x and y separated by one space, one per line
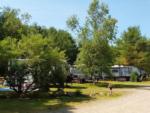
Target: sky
54 13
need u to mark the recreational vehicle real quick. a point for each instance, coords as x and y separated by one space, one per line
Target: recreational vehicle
120 72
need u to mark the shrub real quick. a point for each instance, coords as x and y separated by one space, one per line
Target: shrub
133 77
78 92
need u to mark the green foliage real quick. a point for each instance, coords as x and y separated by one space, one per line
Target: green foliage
133 77
126 46
95 57
95 54
47 51
64 41
133 49
48 64
18 71
10 23
8 50
72 22
60 39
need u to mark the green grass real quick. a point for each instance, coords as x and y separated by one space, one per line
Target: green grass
125 84
1 86
78 93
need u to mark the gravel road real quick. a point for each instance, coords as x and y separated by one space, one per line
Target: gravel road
136 102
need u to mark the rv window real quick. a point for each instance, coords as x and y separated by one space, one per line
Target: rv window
115 70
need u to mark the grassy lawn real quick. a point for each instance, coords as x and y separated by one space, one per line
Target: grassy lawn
125 84
1 86
78 93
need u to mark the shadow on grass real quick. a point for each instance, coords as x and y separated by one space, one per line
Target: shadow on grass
75 87
59 104
64 107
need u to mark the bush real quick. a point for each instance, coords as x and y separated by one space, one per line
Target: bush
133 77
78 92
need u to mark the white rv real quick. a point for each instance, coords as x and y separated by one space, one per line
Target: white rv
120 72
77 73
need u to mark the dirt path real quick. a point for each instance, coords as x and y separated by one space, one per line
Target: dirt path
136 102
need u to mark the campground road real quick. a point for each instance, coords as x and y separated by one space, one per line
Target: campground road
136 102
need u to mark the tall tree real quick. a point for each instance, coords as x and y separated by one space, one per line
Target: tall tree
98 30
126 45
61 39
48 64
64 41
11 23
32 55
8 50
133 49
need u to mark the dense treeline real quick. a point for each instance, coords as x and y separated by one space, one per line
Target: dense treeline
46 53
133 49
99 47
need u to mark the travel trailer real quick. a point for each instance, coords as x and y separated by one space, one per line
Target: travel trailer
120 72
76 74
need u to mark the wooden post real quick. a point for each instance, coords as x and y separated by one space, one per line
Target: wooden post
110 88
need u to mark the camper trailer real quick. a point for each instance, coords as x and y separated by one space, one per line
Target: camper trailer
119 72
123 73
77 75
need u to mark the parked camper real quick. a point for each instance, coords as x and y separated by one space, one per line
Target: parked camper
77 75
123 73
119 72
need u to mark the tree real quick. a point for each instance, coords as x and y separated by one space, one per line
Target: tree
18 73
99 29
133 49
11 24
48 64
143 56
61 39
13 71
14 25
95 57
8 50
36 56
48 50
64 41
